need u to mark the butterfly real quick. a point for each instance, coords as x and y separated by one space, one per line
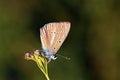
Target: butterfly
52 36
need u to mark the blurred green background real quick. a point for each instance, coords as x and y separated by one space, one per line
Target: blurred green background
93 43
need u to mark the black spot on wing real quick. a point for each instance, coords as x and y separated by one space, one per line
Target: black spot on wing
54 32
59 41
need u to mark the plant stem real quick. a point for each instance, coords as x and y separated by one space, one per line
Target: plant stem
44 69
47 76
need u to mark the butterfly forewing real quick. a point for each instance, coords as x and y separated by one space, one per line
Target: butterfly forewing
53 35
44 37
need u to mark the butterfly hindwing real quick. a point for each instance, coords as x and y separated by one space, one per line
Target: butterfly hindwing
60 34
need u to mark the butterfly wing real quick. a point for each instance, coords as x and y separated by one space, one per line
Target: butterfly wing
45 37
53 35
59 35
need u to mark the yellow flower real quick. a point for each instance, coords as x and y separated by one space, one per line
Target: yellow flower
41 61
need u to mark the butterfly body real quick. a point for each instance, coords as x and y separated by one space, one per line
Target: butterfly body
49 55
52 36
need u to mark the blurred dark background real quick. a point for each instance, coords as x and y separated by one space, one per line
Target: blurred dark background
93 43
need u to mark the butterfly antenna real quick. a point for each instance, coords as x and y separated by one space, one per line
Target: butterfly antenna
67 58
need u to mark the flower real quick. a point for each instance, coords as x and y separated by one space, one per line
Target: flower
41 61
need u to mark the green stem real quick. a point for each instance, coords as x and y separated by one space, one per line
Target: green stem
43 68
47 76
